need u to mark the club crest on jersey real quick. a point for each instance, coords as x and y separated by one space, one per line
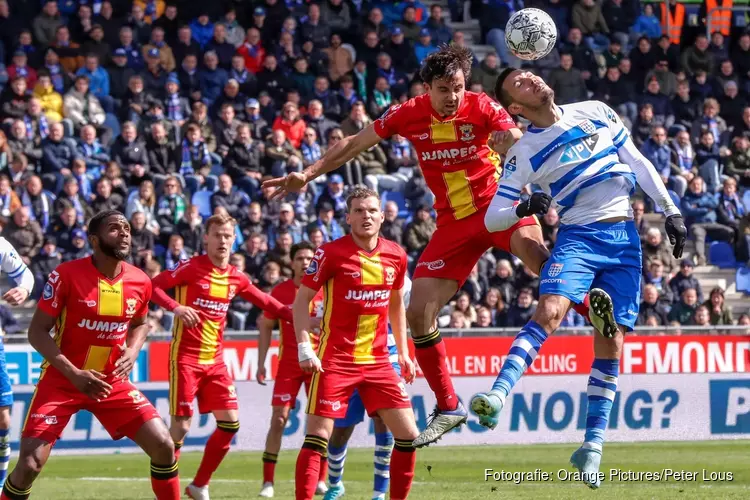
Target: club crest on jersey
312 268
467 132
48 292
130 309
554 269
587 127
390 275
232 291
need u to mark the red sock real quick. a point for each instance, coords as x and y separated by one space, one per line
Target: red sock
323 475
403 460
430 351
177 449
308 467
269 466
583 307
165 481
217 448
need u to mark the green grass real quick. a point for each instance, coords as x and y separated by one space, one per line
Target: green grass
454 473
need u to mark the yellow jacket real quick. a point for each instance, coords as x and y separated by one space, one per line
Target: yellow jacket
160 6
52 102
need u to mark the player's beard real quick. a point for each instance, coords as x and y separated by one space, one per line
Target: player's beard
116 252
548 95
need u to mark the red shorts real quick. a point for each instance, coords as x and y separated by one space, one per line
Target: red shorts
211 384
379 388
288 382
456 247
55 400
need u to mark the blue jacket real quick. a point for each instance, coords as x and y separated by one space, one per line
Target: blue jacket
57 155
649 26
421 52
699 208
212 83
660 156
98 81
202 34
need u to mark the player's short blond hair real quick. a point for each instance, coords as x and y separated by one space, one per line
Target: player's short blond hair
360 193
219 220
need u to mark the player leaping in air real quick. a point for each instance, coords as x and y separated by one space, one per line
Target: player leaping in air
362 276
583 158
97 308
449 127
204 287
289 375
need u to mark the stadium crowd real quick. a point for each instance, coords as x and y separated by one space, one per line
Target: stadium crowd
172 111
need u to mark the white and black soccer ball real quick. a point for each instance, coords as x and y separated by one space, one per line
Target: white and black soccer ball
530 34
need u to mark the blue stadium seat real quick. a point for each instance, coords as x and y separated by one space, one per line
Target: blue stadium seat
398 197
721 254
202 200
742 279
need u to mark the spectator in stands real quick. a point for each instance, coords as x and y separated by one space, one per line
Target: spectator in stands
280 156
647 24
200 118
14 101
424 45
661 105
439 30
142 241
291 123
658 153
492 21
190 228
655 248
698 57
700 86
36 121
154 75
730 210
318 121
463 305
233 201
550 226
419 232
163 156
50 100
212 78
225 128
699 209
720 313
567 81
58 155
701 317
685 107
273 79
738 163
22 143
393 227
175 252
24 234
17 171
326 223
708 159
92 151
684 310
486 74
285 223
587 16
524 307
684 279
170 209
618 92
130 152
484 318
651 306
682 160
79 246
43 263
144 200
397 80
381 97
83 108
105 199
71 196
195 159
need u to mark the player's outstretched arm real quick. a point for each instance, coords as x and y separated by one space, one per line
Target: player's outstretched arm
89 382
397 318
167 280
265 302
651 183
265 327
343 151
15 268
308 360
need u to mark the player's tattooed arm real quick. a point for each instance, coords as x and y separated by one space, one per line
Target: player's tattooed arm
308 359
340 153
133 343
397 318
89 382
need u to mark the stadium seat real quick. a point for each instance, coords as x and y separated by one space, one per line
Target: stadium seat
202 200
746 200
398 197
721 254
742 279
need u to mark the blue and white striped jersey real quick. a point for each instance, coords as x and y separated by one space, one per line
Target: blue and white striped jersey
12 265
586 162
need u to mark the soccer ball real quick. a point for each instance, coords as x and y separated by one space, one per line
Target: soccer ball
530 34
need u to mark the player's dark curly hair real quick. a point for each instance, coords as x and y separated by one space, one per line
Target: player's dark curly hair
445 63
96 222
302 245
502 95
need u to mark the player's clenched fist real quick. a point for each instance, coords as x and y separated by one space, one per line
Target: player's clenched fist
308 360
536 204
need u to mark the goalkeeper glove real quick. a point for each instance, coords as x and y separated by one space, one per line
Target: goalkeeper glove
537 204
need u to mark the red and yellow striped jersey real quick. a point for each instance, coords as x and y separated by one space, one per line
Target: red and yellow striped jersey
357 287
285 292
93 312
199 284
458 166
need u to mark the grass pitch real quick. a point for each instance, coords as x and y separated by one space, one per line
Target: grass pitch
442 473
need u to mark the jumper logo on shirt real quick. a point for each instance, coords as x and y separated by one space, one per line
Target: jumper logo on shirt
211 305
449 154
103 326
367 294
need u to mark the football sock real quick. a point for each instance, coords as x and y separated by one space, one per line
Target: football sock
323 466
4 454
177 450
336 459
403 461
583 307
10 492
269 466
383 449
217 448
522 353
307 472
430 352
601 392
165 481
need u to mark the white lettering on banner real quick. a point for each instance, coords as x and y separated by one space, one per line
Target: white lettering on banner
480 365
738 403
692 357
